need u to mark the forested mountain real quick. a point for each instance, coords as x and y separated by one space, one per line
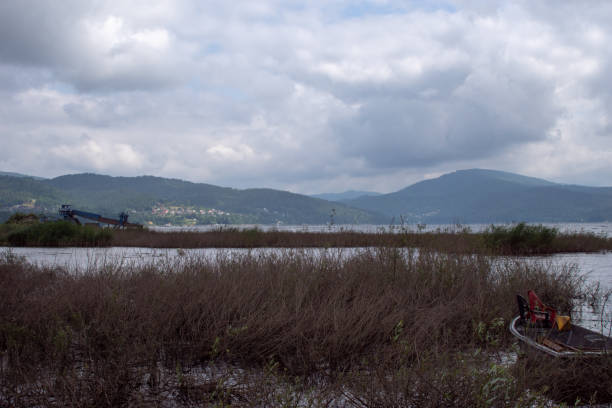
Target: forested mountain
466 196
160 200
15 191
9 173
482 196
347 195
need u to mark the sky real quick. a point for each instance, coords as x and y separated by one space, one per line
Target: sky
307 96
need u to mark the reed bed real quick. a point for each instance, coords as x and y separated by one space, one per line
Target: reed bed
517 239
501 241
382 327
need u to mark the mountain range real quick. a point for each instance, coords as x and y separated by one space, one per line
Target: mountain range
464 196
484 196
9 173
347 195
159 200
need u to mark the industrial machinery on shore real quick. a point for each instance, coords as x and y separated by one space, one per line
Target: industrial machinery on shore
70 214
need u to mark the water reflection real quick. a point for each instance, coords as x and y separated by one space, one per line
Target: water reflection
596 266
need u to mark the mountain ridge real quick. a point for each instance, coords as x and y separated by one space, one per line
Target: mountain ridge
158 200
346 195
13 174
480 195
463 196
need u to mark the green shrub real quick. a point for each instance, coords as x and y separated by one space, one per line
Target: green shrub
520 238
58 233
21 218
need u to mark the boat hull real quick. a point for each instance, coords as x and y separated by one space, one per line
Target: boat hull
575 342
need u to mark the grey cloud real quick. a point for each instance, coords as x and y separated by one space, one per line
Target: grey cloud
395 133
89 47
13 79
447 116
38 32
293 94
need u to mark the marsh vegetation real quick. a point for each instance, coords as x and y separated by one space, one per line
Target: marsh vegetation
28 230
517 239
384 327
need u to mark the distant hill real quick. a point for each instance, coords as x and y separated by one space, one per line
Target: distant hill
465 196
15 191
482 196
160 201
347 195
26 195
11 174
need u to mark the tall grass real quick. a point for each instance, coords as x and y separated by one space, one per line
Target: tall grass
404 319
518 240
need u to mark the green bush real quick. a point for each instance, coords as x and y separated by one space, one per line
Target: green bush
24 219
520 238
58 233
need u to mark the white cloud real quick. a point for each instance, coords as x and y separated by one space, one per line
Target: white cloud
230 154
97 154
325 95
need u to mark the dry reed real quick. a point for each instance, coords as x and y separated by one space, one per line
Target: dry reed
398 320
456 240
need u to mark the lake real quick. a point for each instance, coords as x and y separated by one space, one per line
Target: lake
596 266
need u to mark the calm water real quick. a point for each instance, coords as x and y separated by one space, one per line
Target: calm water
82 259
596 266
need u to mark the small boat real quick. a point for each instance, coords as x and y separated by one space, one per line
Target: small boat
540 328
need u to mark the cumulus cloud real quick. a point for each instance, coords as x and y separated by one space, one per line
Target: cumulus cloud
88 46
323 96
96 154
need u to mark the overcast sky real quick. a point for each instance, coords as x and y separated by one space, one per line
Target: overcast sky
307 96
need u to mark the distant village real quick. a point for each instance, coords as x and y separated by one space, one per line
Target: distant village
176 210
187 215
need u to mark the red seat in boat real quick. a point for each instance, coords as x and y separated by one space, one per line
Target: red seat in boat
535 312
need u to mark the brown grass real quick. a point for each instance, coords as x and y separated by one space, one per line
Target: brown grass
519 239
383 326
457 240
